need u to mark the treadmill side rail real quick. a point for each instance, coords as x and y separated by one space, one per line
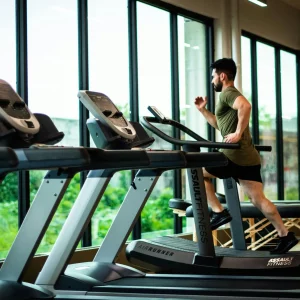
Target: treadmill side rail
35 224
84 276
10 290
289 260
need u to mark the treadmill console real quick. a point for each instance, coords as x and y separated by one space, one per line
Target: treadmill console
15 112
157 114
107 113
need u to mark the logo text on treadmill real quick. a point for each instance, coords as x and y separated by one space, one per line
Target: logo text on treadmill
280 261
156 250
199 206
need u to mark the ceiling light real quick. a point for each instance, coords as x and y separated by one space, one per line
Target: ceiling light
262 3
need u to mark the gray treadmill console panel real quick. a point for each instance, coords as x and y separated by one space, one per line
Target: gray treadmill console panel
14 111
103 109
157 113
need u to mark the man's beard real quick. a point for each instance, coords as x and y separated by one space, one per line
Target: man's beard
218 87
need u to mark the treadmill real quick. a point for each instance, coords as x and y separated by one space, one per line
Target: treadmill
103 278
202 257
84 278
25 132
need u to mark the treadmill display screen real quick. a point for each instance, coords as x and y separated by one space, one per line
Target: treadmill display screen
10 102
106 106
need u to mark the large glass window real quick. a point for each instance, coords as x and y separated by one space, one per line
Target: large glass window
267 116
9 187
193 69
8 212
108 50
154 63
246 70
246 85
109 74
289 124
53 63
8 42
267 78
53 84
52 39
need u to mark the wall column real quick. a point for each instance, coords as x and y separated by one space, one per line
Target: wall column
236 41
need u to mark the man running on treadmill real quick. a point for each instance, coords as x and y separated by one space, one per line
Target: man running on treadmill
232 115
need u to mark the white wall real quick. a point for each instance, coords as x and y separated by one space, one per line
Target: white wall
277 22
208 8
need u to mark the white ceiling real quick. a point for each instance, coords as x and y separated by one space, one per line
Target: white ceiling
294 3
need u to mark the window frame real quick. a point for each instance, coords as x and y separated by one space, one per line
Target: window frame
279 126
83 79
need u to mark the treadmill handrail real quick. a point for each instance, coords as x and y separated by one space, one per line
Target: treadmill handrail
8 158
48 158
201 142
263 148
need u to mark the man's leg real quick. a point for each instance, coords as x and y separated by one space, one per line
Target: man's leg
254 190
220 216
212 199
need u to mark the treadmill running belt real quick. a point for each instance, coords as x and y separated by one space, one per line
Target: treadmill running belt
190 246
218 283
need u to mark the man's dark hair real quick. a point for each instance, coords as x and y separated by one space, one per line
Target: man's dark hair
225 65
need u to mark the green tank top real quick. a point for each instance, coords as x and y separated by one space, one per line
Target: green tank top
227 120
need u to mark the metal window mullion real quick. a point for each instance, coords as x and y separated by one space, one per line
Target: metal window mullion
298 114
255 110
22 89
133 61
211 132
279 130
83 83
177 184
83 64
133 86
209 41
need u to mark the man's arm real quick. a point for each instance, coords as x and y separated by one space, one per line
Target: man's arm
210 117
200 103
243 106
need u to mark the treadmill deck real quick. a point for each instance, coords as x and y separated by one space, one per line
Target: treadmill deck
177 255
